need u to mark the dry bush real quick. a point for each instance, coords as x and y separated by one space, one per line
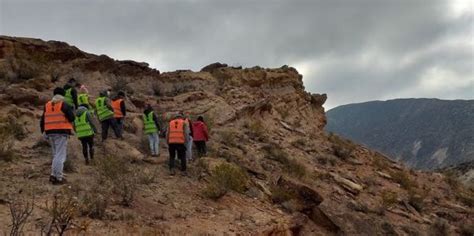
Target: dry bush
21 206
389 199
118 173
403 179
284 112
228 137
280 195
299 143
224 178
6 143
417 199
62 210
466 197
119 83
157 89
342 148
290 165
380 163
95 201
256 130
440 227
22 70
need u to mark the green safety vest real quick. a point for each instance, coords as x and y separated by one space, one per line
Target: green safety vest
103 112
83 99
83 128
68 97
149 124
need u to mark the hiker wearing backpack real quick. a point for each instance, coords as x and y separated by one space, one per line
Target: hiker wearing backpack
151 128
120 111
105 114
56 126
177 134
70 96
85 131
200 136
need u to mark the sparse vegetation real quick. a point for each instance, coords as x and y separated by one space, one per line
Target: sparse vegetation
280 195
224 178
94 202
117 173
120 83
380 163
256 130
7 135
299 143
440 227
417 199
389 199
342 148
284 112
290 165
403 179
228 137
21 206
63 209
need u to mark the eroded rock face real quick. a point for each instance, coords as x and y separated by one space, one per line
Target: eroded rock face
247 110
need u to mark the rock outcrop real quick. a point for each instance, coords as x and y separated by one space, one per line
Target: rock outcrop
300 180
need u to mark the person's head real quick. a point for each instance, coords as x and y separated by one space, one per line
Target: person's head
147 106
59 91
83 89
200 118
72 82
121 94
103 93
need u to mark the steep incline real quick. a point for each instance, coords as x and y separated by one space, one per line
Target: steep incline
300 181
423 133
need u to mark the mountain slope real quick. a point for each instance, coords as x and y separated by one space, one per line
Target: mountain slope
294 179
423 133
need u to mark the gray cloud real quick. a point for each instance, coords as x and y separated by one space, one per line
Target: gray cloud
352 50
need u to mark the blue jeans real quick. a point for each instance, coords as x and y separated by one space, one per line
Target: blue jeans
154 141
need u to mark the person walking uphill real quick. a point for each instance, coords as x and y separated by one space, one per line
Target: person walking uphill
120 111
152 130
56 126
70 96
177 135
83 98
189 142
106 116
85 131
200 136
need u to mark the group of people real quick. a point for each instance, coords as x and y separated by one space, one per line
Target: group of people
69 112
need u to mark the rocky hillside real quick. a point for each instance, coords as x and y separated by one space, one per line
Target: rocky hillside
423 133
271 169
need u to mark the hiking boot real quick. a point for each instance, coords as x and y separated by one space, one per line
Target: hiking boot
184 173
87 162
59 182
172 172
52 179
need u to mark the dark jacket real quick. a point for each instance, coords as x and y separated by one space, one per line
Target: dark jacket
68 112
73 93
155 118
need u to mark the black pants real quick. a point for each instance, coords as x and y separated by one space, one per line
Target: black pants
179 149
87 147
201 148
120 124
105 128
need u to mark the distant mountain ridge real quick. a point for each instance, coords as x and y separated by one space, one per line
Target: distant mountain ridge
423 133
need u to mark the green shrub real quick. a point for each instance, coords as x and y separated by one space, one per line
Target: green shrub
224 178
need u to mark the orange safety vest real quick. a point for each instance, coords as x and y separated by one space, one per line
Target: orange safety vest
176 131
54 118
116 107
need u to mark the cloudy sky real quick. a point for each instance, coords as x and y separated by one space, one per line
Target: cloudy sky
353 50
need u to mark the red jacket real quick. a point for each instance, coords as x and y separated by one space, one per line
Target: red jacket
200 131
